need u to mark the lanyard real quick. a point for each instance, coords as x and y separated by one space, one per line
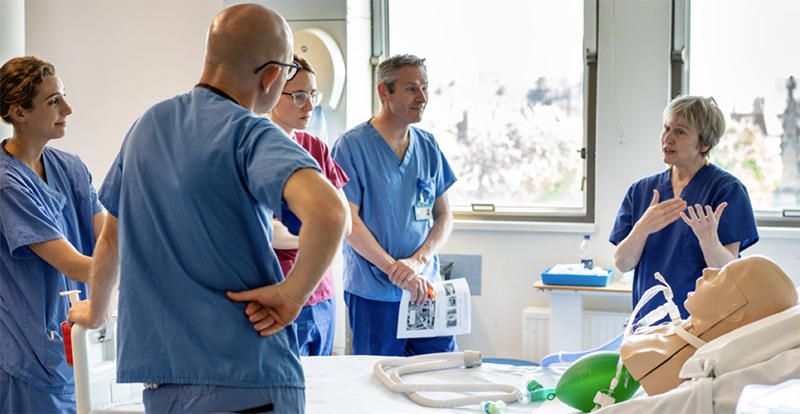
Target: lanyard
217 91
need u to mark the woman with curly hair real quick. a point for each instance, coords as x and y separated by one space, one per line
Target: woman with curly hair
49 220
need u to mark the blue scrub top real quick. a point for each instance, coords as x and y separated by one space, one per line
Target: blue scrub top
194 188
674 251
386 191
31 309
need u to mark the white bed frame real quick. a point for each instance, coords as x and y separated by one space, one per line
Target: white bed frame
334 385
94 354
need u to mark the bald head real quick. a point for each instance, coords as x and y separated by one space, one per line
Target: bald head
245 36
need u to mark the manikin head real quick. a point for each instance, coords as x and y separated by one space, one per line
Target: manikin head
742 292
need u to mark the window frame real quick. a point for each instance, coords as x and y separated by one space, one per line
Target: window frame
681 81
380 51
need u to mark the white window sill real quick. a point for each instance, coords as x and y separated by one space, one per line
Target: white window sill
537 227
588 228
779 232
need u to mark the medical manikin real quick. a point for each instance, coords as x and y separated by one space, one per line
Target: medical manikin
742 292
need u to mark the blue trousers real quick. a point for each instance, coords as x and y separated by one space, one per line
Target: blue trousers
374 326
177 398
16 396
316 326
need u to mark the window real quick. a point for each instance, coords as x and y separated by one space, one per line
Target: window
507 103
745 55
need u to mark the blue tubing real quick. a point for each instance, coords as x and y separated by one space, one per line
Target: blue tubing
612 345
507 361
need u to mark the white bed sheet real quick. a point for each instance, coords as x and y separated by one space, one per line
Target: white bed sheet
347 385
717 395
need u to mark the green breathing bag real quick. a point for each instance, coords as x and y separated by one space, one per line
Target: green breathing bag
581 382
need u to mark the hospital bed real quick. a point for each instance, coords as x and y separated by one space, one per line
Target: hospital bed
336 384
764 352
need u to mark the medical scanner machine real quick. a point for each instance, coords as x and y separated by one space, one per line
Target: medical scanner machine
766 352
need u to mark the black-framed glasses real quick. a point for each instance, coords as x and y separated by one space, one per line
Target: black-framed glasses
294 68
300 98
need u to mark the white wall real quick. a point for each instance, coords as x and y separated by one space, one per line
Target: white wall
119 57
12 40
116 59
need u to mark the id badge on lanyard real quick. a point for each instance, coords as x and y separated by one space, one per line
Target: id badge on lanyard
423 208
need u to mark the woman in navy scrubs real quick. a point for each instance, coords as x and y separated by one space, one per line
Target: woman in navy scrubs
692 216
49 220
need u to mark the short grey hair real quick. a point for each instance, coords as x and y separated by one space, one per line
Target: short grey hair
700 113
387 71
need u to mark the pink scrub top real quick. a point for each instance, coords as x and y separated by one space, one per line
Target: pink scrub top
337 177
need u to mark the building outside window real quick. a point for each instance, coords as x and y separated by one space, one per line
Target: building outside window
506 98
744 54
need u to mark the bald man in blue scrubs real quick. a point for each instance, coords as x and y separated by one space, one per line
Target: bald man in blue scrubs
191 197
399 209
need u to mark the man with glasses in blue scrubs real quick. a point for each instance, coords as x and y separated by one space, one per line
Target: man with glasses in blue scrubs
400 212
191 198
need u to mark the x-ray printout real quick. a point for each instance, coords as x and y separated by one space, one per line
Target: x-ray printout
448 314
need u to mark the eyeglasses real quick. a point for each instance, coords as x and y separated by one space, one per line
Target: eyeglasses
300 98
294 68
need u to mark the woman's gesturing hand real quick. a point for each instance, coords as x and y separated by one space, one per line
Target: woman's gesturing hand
660 215
705 225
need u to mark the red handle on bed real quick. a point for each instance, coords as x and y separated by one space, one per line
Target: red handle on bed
67 334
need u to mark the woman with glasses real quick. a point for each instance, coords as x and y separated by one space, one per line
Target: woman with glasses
316 323
50 218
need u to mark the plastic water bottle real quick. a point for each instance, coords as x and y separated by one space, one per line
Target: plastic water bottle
586 253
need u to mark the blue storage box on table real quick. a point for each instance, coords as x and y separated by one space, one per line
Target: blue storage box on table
598 277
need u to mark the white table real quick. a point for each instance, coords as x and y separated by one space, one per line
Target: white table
566 311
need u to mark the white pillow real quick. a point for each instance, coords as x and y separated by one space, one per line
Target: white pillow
746 346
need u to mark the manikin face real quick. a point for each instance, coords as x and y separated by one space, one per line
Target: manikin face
47 118
705 285
410 94
680 144
716 295
288 115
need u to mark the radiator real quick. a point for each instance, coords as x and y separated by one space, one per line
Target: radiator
598 328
